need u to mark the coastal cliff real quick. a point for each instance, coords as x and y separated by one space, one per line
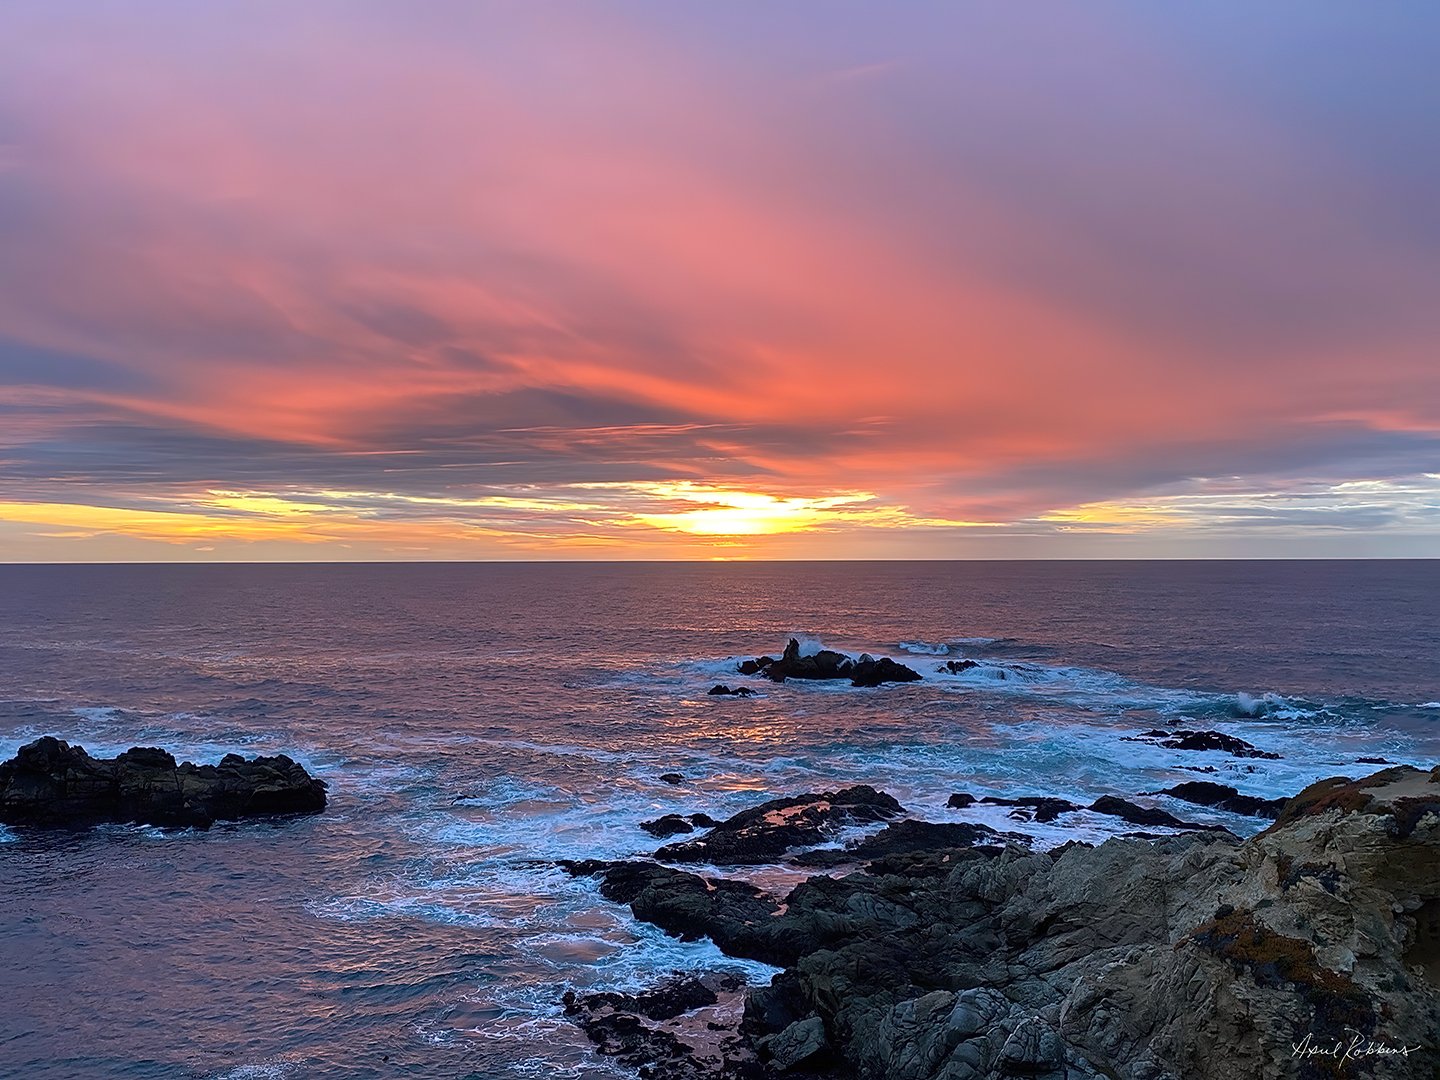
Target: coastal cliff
1310 950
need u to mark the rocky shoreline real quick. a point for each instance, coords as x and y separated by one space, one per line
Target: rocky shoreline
51 783
953 951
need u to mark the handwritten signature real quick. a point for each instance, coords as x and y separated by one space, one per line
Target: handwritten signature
1354 1048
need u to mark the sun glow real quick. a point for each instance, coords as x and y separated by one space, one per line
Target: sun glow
744 513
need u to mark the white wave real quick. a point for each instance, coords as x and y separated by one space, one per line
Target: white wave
1271 704
265 1070
1429 705
925 648
98 714
809 644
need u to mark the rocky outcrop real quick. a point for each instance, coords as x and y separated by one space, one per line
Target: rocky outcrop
1311 950
736 915
721 690
677 824
1402 796
1203 740
1044 809
691 1031
1223 797
1144 815
50 782
766 832
667 825
907 838
1041 809
959 667
826 664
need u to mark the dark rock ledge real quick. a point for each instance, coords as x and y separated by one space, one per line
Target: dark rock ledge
49 782
764 833
963 957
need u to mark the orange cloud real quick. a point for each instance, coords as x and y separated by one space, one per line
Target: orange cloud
864 286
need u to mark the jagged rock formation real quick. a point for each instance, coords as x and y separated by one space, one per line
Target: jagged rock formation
1223 797
1203 740
826 664
765 832
1309 951
50 782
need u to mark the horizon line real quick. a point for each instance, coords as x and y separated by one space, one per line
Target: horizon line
713 562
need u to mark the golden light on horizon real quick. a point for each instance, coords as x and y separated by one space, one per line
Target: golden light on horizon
744 513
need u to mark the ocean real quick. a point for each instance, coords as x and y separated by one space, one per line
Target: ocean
477 722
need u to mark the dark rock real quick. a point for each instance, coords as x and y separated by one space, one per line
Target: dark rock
910 837
50 782
1032 1049
736 915
703 821
1202 740
880 671
1034 808
1042 809
659 1034
671 778
669 825
1372 761
681 994
1196 956
721 690
827 664
956 667
1144 815
765 832
1222 797
800 1045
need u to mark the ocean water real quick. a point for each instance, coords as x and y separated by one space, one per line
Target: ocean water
477 722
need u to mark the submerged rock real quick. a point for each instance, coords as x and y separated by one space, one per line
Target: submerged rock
827 664
766 832
50 782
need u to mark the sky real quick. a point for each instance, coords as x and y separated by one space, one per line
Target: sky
348 279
